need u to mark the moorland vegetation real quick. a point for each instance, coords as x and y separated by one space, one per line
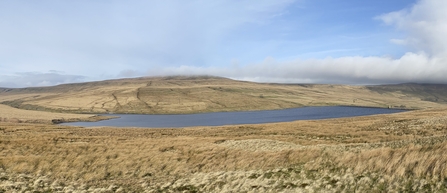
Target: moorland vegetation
401 152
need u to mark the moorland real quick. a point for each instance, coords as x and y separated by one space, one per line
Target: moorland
402 152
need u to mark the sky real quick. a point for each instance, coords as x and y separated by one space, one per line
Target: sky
48 42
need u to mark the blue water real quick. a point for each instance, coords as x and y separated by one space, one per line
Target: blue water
234 118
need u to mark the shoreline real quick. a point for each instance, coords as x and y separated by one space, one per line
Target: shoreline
215 119
333 155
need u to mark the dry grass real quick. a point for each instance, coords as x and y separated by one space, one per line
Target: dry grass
382 153
210 94
401 152
9 114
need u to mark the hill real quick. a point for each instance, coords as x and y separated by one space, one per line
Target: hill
426 92
196 94
402 152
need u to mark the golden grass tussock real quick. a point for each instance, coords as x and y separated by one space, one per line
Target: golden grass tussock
397 152
424 161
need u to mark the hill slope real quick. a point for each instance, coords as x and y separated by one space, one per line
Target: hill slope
179 94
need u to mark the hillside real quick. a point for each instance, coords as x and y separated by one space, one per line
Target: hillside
426 92
195 94
402 152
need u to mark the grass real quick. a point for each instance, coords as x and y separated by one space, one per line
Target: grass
9 114
351 154
401 152
173 95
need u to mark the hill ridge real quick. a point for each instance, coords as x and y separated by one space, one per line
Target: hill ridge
197 94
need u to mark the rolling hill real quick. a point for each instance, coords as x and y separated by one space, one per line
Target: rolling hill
196 94
402 152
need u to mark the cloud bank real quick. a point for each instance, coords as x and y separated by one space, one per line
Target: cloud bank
346 70
32 79
425 28
120 39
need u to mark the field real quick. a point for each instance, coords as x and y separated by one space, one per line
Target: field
173 95
401 152
10 114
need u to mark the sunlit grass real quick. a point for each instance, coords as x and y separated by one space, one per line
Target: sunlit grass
397 152
173 95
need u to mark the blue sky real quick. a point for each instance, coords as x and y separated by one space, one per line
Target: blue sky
301 41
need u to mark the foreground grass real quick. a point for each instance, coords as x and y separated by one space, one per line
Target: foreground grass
385 153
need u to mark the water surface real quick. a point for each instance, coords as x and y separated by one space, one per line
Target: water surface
234 118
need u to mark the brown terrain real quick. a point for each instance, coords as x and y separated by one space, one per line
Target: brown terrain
402 152
166 95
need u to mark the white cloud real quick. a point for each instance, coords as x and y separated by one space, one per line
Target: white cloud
399 42
33 79
173 38
103 39
426 29
425 25
351 70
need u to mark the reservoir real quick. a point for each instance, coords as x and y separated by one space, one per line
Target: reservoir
234 118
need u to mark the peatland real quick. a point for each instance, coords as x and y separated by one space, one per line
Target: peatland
401 152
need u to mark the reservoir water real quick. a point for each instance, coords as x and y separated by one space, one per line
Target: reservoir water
234 118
